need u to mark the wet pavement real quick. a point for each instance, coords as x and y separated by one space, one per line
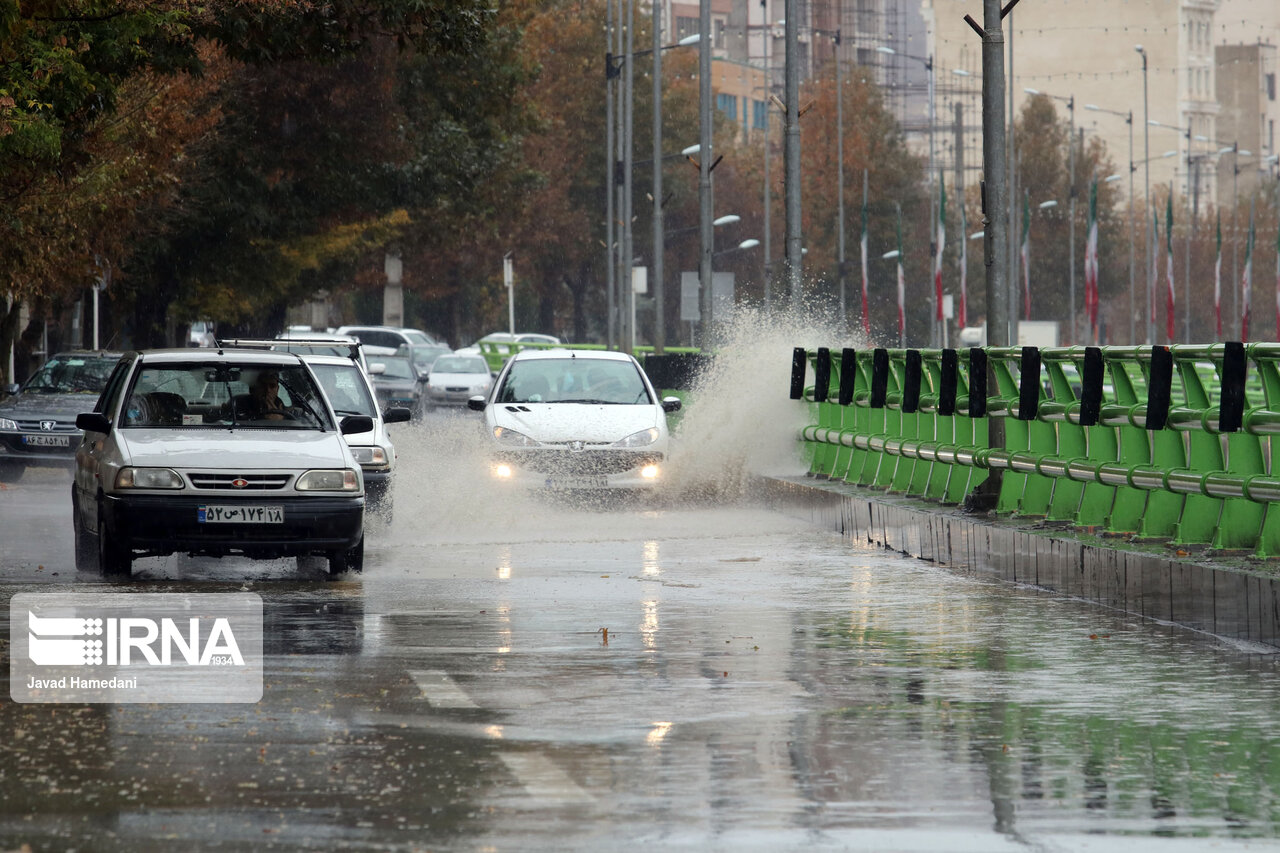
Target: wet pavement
509 674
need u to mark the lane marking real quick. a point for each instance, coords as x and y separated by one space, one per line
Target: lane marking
440 690
542 778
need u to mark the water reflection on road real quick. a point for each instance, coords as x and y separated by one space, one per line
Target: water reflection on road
514 674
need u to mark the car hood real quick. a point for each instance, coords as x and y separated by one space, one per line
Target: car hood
243 448
62 407
557 423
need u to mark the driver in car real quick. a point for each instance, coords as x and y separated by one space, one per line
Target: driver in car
264 395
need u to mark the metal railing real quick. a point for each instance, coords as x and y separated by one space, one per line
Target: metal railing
1169 443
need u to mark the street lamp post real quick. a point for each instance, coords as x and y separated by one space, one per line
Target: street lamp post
1146 175
704 171
1128 117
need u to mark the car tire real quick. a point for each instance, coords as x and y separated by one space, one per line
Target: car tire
11 471
113 560
347 559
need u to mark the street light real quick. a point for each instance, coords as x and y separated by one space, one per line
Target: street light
1128 119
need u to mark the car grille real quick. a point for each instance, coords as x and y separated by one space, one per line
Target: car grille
456 388
33 425
581 463
252 482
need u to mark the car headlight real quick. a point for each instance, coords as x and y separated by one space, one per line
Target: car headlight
5 423
369 455
643 438
148 478
480 389
345 480
511 438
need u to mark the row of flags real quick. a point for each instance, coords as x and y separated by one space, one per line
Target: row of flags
1091 293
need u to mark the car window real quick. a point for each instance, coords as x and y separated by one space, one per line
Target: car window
71 374
115 384
417 337
346 389
203 394
459 364
573 380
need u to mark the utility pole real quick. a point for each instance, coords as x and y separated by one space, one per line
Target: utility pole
659 311
840 260
611 170
792 151
1071 214
706 234
627 291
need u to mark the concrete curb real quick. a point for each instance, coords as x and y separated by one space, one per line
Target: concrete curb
1140 579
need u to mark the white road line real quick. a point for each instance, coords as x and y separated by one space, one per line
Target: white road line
542 778
440 690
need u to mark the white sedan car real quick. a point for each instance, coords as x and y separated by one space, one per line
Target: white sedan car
576 419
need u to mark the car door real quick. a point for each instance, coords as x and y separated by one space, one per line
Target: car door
89 453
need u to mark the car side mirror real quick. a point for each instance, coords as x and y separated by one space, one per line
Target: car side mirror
352 424
396 415
93 422
12 389
671 404
476 404
377 368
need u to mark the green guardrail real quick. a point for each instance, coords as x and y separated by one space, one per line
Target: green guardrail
1169 443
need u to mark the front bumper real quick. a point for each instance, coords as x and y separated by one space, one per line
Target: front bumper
582 470
164 524
33 447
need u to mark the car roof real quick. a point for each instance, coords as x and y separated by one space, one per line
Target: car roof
86 353
317 336
335 360
589 355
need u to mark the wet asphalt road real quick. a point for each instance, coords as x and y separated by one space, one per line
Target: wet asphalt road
509 674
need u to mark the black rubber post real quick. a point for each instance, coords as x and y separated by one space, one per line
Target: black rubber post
911 382
848 375
977 382
1159 388
822 375
949 382
1029 384
879 378
1231 405
799 361
1091 388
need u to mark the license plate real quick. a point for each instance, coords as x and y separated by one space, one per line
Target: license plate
577 483
240 514
47 440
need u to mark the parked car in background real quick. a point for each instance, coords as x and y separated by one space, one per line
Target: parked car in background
350 393
455 379
178 456
395 382
390 337
38 418
496 347
573 419
422 355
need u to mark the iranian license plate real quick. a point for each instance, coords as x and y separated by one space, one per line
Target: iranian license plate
577 482
213 514
47 440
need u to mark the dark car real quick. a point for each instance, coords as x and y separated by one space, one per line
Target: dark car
395 382
38 422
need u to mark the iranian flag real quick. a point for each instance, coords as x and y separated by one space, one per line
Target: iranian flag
1168 274
1026 255
866 314
941 244
963 315
902 289
1246 282
1091 262
1217 284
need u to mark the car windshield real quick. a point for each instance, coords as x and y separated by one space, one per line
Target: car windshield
573 380
72 374
460 364
397 368
417 337
204 394
346 389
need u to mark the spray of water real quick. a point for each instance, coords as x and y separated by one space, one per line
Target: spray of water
739 424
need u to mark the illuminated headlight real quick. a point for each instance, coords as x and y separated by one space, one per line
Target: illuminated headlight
345 480
511 438
650 472
639 439
148 478
369 455
5 423
503 471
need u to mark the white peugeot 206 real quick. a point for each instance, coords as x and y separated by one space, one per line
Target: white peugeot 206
576 419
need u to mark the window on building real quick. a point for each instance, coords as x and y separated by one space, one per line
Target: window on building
1271 87
718 26
727 104
686 27
865 56
759 114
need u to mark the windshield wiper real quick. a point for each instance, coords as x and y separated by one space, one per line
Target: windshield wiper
602 402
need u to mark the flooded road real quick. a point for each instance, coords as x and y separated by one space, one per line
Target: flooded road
694 672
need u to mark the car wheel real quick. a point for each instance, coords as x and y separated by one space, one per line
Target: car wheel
347 559
113 559
11 471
